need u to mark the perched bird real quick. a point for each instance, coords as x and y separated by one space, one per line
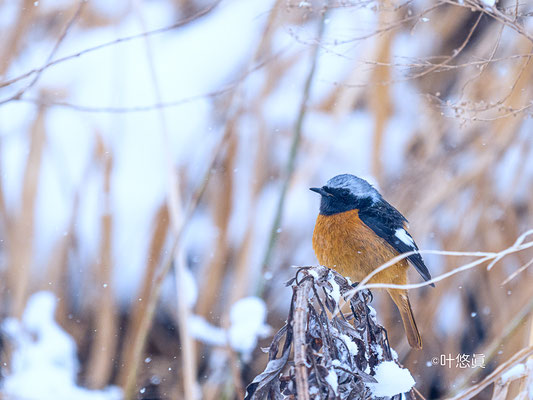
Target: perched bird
357 231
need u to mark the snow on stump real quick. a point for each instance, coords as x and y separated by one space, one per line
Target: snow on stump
335 355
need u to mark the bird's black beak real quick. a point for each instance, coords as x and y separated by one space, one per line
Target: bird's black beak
320 191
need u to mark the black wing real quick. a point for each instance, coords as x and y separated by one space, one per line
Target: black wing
388 223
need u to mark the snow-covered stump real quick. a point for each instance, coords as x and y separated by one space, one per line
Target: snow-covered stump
336 355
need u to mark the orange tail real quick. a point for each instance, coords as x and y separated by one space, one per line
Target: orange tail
404 306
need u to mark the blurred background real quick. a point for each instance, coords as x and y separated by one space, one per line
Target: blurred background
156 156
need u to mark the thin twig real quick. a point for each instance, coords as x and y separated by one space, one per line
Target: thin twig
517 272
455 54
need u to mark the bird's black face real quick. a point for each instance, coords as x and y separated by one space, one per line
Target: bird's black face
337 200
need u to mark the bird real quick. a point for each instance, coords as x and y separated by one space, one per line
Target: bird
357 231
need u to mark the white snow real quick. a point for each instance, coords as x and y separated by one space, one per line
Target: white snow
247 318
335 291
247 325
352 346
332 380
189 286
391 380
313 273
404 237
513 373
372 312
529 365
489 3
379 350
202 330
44 364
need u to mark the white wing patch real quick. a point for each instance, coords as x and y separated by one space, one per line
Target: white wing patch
404 237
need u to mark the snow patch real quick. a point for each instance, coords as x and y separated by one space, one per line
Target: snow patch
332 380
335 291
352 346
529 365
44 365
513 373
207 333
372 312
189 287
313 273
489 3
247 318
391 380
378 350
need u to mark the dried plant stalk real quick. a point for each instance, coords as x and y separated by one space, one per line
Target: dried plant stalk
300 323
347 347
21 236
380 102
11 49
129 372
223 186
105 321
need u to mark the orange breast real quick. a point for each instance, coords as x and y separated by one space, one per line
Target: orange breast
344 243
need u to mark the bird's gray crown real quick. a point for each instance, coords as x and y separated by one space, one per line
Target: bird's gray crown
357 186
